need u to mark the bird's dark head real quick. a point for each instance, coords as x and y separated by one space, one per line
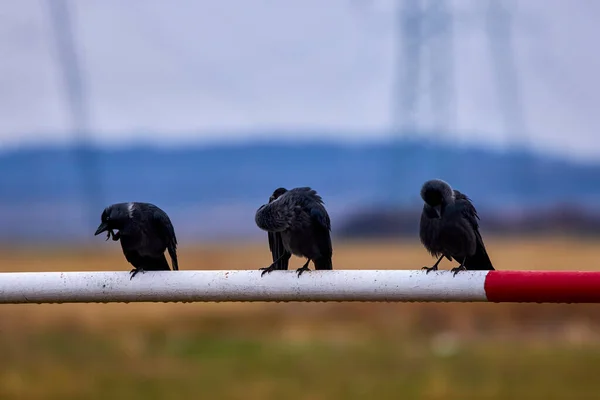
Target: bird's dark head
437 194
113 217
277 193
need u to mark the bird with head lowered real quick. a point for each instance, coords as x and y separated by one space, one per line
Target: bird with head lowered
145 232
449 228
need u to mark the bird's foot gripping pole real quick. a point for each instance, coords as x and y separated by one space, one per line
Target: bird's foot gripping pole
434 267
134 272
271 267
429 269
267 270
304 268
458 269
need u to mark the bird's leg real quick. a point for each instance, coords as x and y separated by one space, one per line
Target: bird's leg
304 268
134 272
271 267
435 266
461 267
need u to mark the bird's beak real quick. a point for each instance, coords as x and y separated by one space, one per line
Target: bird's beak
102 228
438 210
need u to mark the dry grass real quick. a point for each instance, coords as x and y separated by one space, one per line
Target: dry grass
301 350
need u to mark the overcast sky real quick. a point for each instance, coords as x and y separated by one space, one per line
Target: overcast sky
173 71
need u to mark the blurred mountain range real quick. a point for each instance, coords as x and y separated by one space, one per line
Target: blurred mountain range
212 191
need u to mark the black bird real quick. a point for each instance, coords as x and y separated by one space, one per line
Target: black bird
449 228
276 243
299 217
145 232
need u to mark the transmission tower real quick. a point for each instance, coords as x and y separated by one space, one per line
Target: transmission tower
425 71
499 33
426 53
76 96
425 57
440 54
408 55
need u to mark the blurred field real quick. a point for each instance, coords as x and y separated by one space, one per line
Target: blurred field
302 350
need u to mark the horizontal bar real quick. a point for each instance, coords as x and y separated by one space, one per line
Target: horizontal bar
338 285
241 285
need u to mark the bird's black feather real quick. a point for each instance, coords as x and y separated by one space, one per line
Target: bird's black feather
480 259
299 217
162 224
449 227
145 232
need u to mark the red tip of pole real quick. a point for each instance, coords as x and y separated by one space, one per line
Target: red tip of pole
543 286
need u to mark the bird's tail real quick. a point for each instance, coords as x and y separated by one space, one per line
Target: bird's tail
173 253
278 251
323 263
282 264
480 261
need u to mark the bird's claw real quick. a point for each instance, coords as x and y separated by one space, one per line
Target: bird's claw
134 272
115 236
458 269
301 270
267 270
429 269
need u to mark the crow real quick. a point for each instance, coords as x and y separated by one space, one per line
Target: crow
145 232
276 243
299 217
449 228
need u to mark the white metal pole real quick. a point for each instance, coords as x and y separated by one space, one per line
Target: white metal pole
241 285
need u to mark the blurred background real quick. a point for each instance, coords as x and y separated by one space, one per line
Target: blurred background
205 107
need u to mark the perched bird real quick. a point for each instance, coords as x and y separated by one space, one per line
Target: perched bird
276 243
145 232
299 217
449 228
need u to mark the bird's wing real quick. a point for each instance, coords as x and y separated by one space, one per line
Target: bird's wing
467 209
428 233
480 260
320 216
164 227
